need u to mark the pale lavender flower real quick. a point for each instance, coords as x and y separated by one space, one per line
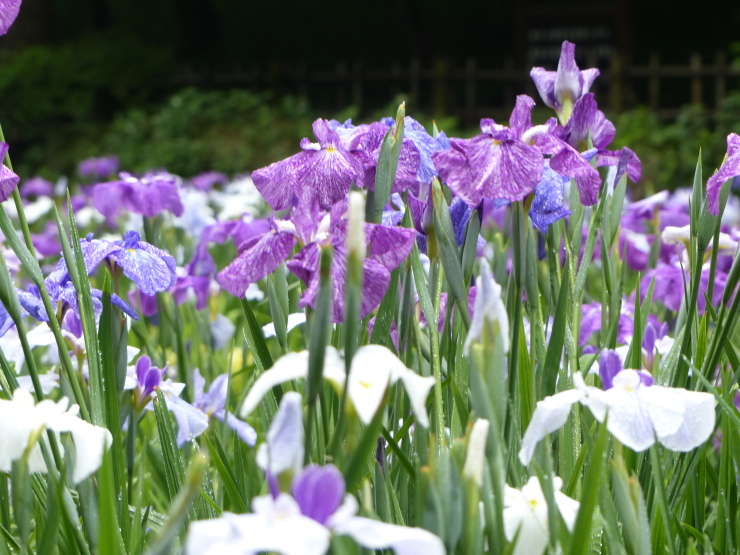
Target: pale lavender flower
98 168
213 403
149 195
205 181
36 187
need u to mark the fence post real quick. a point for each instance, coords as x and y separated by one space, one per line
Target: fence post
654 82
470 92
720 79
696 84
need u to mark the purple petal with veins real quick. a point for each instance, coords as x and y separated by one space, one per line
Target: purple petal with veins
259 257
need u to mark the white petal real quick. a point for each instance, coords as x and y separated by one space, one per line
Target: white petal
697 423
374 362
628 419
568 508
292 366
294 320
368 382
665 407
373 534
550 415
17 423
247 534
418 388
90 444
334 370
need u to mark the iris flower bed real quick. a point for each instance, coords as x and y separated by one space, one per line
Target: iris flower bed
393 340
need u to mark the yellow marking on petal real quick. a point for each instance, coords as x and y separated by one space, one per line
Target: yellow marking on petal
331 149
130 250
366 385
495 142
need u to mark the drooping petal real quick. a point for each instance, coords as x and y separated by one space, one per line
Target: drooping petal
368 382
696 423
191 422
8 181
403 540
259 257
90 444
292 366
149 272
729 169
279 531
550 415
570 163
548 205
108 197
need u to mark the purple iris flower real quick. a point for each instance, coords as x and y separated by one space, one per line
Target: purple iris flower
36 187
671 282
566 85
148 379
149 195
98 168
365 145
8 12
591 322
8 179
728 170
205 181
497 164
152 269
257 258
240 231
588 121
387 247
213 403
315 178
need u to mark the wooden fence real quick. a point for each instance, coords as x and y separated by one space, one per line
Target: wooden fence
470 92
